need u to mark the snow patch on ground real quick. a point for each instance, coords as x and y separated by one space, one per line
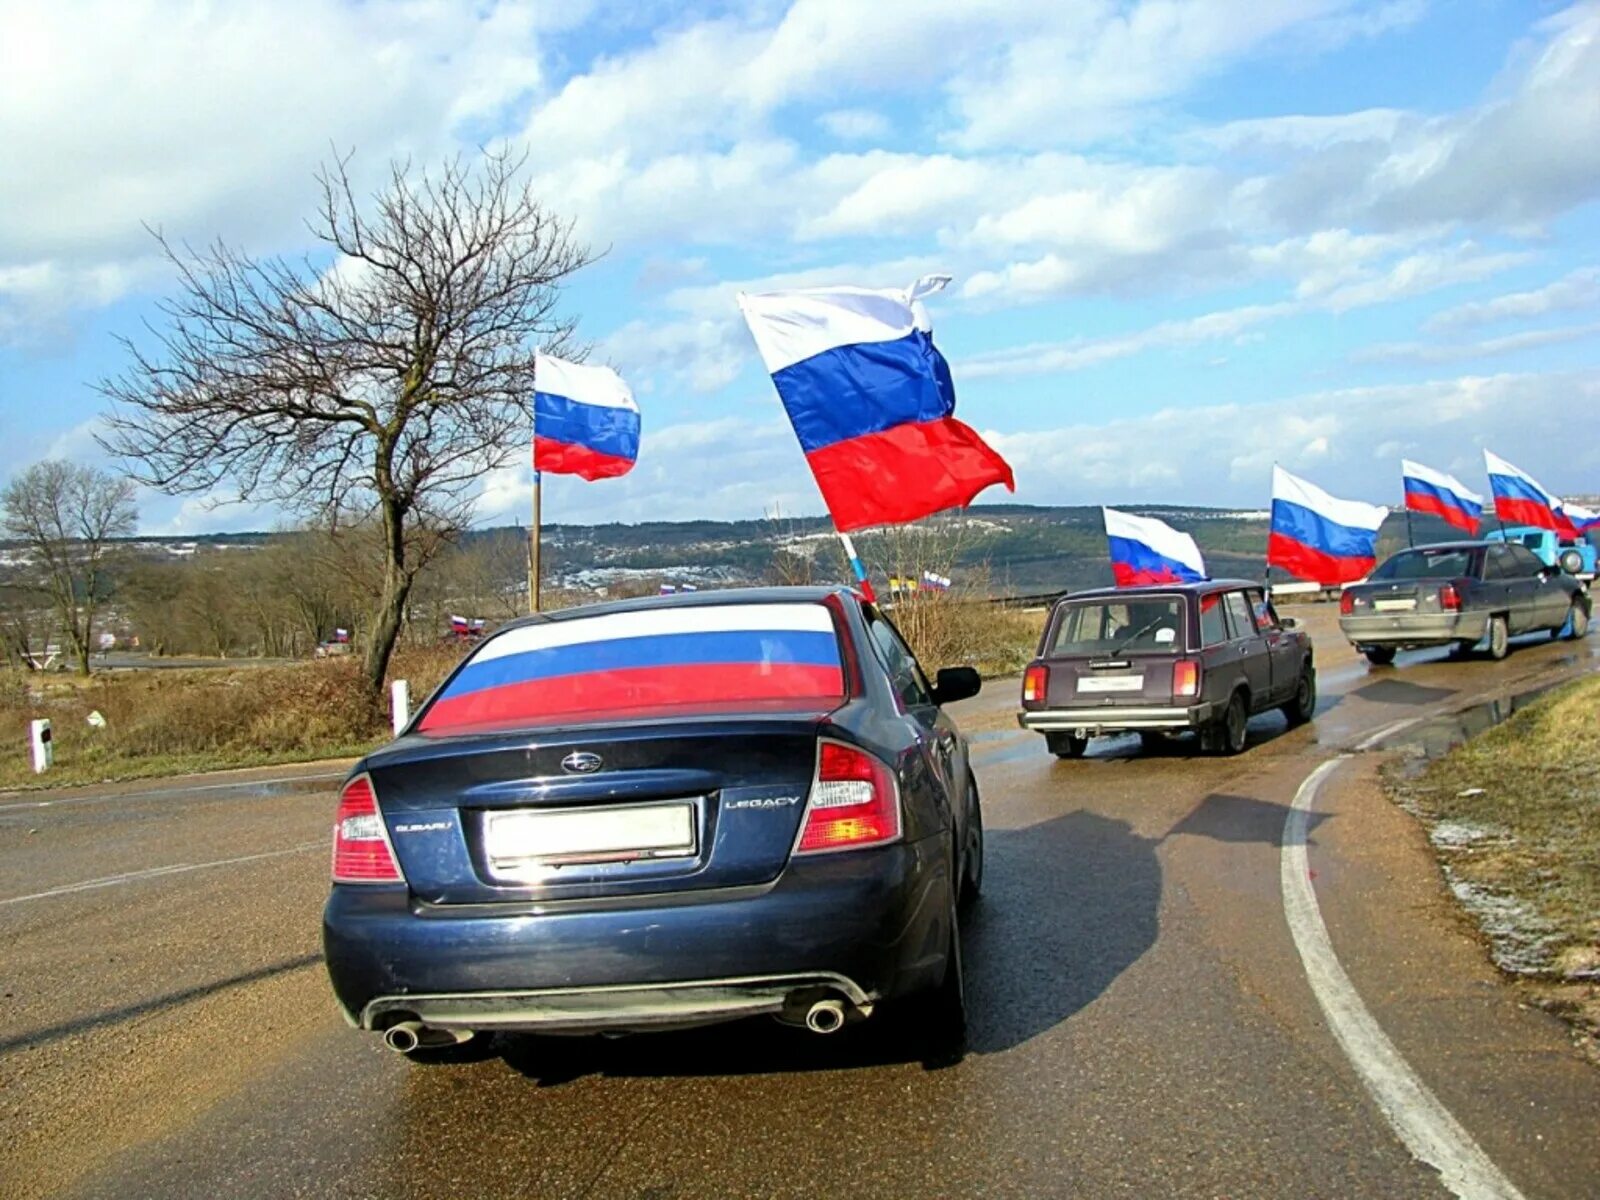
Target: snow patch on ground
1520 940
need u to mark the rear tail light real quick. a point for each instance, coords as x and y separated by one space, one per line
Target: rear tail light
1035 682
854 802
1449 598
1186 678
1347 603
361 850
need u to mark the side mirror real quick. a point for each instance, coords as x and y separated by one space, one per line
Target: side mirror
955 683
1289 622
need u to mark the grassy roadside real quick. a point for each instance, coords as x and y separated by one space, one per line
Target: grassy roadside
1514 818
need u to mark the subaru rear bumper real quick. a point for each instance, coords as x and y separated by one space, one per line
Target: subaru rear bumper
866 925
1088 722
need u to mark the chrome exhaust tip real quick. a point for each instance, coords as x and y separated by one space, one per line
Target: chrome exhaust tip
409 1036
402 1038
825 1016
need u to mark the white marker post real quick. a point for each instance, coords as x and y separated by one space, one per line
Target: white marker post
44 750
399 704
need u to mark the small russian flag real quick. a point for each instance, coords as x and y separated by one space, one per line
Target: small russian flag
1145 550
1522 500
1443 496
1319 537
585 421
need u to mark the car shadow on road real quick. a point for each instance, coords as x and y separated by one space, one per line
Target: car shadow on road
1069 904
1224 817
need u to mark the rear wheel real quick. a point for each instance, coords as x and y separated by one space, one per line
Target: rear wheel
1304 705
1379 656
1227 735
1499 638
938 1019
972 861
1578 623
1066 745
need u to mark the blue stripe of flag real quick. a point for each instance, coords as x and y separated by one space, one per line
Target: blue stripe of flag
1419 487
852 391
1318 532
599 427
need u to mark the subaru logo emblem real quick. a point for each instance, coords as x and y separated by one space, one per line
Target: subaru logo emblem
581 762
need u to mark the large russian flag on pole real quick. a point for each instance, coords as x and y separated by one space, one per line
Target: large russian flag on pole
1443 496
1145 550
1319 537
585 421
1520 499
871 401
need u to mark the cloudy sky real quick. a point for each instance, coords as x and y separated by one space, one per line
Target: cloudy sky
1190 237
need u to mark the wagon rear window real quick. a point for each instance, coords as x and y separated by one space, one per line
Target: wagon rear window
1100 626
667 661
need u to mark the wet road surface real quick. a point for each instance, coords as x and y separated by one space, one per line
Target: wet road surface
1141 1021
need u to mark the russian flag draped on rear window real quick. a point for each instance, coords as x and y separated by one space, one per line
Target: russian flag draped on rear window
1519 498
871 401
584 420
1319 537
1441 495
1145 550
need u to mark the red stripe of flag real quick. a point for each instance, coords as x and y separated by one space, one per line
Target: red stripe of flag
1304 562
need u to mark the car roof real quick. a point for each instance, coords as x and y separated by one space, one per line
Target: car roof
1203 587
812 594
1459 545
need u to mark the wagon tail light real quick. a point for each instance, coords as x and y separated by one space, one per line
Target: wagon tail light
854 802
1035 683
1186 678
1347 603
361 850
1450 598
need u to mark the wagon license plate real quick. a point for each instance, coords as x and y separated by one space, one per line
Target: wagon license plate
518 840
1395 605
1111 683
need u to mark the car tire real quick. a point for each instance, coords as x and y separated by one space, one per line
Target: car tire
972 860
1379 656
1577 625
1304 705
1229 731
1499 636
938 1019
1066 745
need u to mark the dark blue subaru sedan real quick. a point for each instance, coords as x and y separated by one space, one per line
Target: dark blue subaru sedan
662 813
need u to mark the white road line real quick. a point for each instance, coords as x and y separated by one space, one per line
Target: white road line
1383 732
155 793
1422 1123
156 872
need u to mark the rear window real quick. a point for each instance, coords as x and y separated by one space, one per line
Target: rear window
1101 626
656 661
1427 564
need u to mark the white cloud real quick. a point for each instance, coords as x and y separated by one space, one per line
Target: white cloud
1577 289
855 124
1440 352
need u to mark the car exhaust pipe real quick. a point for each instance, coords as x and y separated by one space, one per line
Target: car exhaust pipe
402 1038
825 1016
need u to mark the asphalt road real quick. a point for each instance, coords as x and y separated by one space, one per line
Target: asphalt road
1142 1023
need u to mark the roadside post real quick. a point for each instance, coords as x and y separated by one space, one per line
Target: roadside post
44 750
399 704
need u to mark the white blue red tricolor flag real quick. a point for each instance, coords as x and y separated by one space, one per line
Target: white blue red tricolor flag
661 660
1583 519
585 421
1520 499
871 401
1319 537
1145 550
1443 496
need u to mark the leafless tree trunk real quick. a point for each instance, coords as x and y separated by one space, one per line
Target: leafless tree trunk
67 516
383 384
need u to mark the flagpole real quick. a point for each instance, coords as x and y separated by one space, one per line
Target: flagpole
1411 539
857 567
533 545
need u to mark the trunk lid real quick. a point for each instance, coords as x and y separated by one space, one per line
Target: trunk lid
1111 682
1115 652
670 805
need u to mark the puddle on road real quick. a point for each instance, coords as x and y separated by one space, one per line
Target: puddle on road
1437 736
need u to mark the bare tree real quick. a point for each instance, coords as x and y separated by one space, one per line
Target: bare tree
67 516
383 385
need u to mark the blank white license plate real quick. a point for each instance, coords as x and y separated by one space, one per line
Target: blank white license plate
1395 605
572 835
1111 683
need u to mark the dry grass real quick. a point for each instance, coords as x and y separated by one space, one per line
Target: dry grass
949 631
1515 817
166 722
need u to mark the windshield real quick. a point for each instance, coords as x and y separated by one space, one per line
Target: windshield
1533 541
1428 564
654 661
1147 626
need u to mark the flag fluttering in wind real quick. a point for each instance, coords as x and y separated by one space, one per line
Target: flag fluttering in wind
1145 550
1520 499
585 421
1319 537
936 581
1443 496
1583 519
871 401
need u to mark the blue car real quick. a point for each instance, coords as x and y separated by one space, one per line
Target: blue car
662 813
